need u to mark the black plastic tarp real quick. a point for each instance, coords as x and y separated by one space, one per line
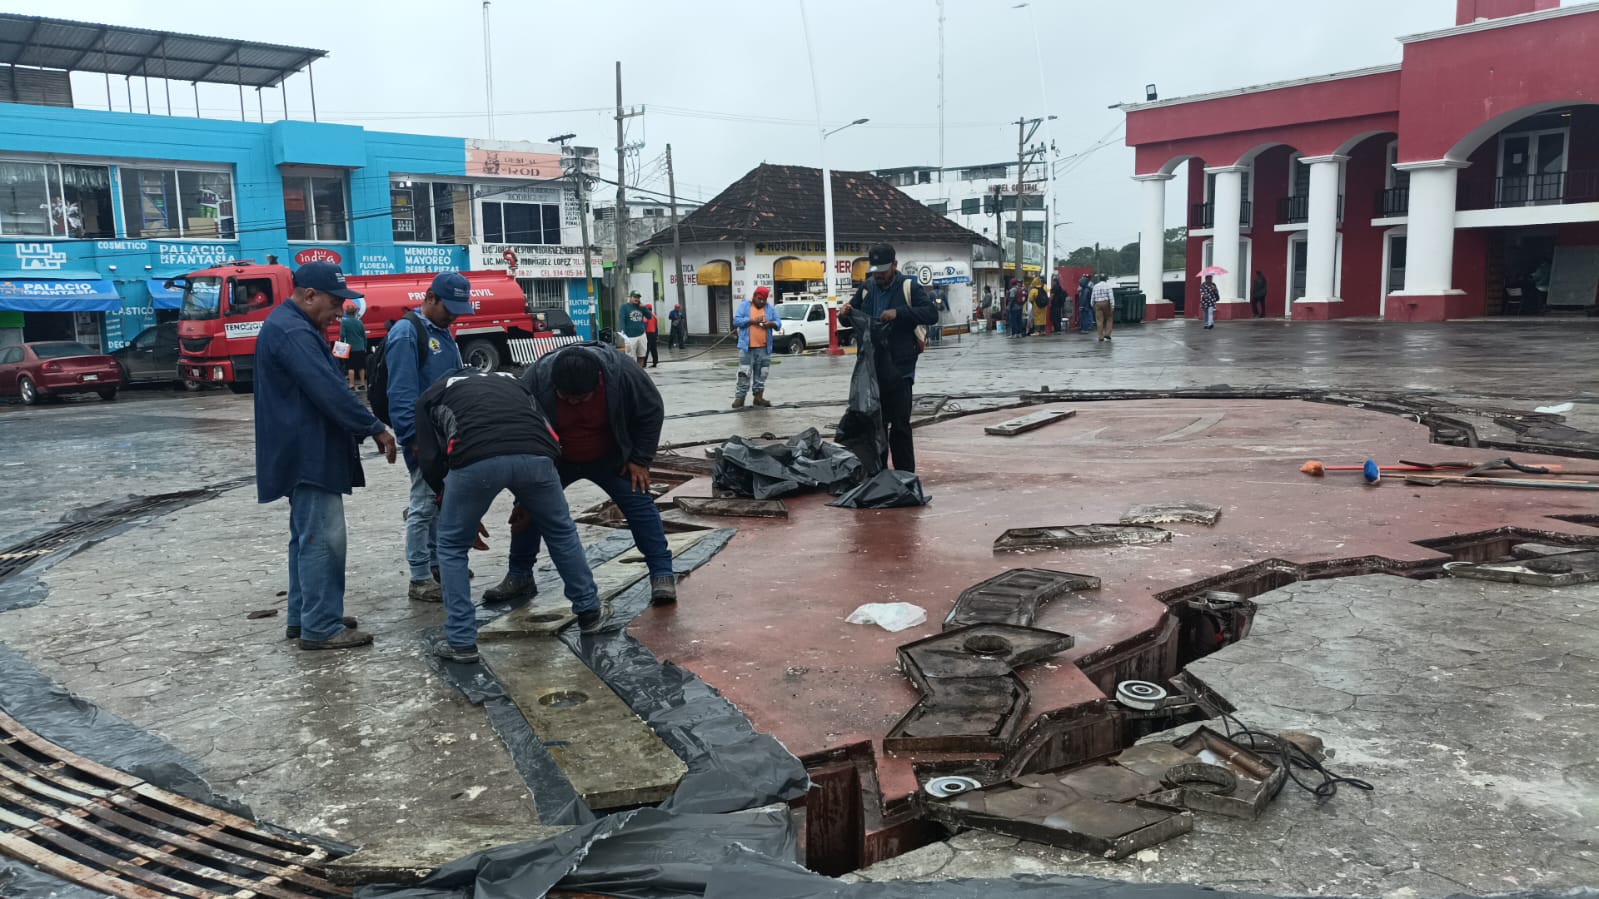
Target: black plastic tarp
804 462
861 429
643 854
888 489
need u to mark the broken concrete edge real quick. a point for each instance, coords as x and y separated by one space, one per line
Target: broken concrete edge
401 863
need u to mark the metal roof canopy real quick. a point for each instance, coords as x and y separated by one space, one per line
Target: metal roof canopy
114 50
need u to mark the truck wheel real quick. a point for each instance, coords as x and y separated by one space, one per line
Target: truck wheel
482 355
796 345
241 387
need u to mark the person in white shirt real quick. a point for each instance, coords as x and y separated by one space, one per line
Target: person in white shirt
1104 306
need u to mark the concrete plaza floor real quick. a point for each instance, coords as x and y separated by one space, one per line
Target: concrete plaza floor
151 623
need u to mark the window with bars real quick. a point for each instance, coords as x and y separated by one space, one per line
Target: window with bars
544 293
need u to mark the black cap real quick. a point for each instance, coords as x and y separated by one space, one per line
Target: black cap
881 257
326 277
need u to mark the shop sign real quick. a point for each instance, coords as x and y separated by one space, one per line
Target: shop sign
375 264
534 261
40 257
939 272
494 163
192 255
421 260
690 277
316 254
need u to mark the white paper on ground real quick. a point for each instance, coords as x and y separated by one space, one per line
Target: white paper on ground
890 616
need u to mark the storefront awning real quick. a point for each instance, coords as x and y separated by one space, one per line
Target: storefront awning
798 270
164 297
857 269
58 295
715 274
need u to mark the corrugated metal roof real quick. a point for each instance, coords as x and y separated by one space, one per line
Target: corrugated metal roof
88 47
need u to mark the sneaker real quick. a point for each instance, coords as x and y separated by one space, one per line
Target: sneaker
663 590
595 620
349 638
449 652
470 574
425 591
514 588
292 632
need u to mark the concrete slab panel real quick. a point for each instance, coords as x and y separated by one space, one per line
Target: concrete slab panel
407 861
609 754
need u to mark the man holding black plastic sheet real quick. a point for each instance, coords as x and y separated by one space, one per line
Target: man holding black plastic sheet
898 306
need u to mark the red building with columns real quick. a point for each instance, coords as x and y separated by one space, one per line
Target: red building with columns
1462 182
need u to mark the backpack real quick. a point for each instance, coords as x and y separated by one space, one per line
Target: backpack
921 330
377 371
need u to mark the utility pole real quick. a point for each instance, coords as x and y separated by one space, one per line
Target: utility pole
573 164
1025 129
677 245
619 271
488 68
999 229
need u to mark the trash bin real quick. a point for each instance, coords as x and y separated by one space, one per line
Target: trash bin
1129 306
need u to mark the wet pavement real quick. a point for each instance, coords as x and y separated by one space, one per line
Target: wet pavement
151 623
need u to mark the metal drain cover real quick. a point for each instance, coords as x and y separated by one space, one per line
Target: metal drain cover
1141 695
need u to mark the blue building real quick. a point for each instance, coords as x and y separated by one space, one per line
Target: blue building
99 209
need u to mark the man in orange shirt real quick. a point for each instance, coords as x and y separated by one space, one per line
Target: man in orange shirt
755 322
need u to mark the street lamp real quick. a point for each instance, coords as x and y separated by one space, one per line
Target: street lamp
827 211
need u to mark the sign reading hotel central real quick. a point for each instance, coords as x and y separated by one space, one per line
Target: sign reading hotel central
503 159
533 261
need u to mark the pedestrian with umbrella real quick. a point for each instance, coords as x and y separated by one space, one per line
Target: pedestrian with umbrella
1209 296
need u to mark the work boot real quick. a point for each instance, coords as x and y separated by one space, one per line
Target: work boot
663 590
292 632
425 591
760 398
449 652
470 574
514 588
593 621
349 638
738 402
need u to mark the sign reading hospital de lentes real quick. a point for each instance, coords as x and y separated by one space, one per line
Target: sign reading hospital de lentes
494 162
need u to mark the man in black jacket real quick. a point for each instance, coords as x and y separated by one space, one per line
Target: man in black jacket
608 415
477 434
898 304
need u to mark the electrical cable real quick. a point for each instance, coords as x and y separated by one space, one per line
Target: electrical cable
1290 757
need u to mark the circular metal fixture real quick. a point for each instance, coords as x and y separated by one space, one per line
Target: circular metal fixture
1213 779
944 787
1140 694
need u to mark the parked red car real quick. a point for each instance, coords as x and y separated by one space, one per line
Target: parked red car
54 368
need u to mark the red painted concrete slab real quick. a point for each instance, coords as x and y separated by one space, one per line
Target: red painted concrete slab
763 622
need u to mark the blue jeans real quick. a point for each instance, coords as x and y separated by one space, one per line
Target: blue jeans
421 525
643 518
753 366
1210 314
316 562
468 493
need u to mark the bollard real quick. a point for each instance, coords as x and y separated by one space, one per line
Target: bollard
833 349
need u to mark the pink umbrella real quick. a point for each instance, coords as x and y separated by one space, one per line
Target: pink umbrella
1211 270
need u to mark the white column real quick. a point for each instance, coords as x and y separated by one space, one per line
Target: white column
1229 200
1321 263
1430 248
1152 236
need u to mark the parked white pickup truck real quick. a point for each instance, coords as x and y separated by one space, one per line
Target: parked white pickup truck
804 324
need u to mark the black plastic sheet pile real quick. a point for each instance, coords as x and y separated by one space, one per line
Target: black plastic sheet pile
804 463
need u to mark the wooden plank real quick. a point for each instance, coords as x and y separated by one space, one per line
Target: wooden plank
609 754
215 834
735 507
77 872
1523 483
51 773
1029 422
44 747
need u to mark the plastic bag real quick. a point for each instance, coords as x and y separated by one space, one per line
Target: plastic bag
890 616
888 489
861 430
804 462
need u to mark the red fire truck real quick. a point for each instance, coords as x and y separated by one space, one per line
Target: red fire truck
223 308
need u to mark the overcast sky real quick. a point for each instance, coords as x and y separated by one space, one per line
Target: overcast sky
727 84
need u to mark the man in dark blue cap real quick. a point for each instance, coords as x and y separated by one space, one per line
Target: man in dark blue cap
308 426
897 305
417 352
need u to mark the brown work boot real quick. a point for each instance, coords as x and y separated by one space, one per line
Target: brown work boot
425 591
349 638
738 402
760 398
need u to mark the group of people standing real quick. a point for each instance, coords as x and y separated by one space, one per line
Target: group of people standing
583 412
1030 310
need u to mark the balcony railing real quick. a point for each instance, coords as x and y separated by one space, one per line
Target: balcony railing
1204 215
1293 210
1393 202
1541 189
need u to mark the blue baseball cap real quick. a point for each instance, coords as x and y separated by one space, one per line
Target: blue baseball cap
454 291
326 277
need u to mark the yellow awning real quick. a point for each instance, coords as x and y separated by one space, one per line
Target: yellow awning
798 270
857 271
715 274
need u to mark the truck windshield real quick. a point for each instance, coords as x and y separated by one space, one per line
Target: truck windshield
200 298
792 312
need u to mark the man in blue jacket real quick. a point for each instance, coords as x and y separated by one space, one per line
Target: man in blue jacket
897 305
411 373
308 427
755 321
